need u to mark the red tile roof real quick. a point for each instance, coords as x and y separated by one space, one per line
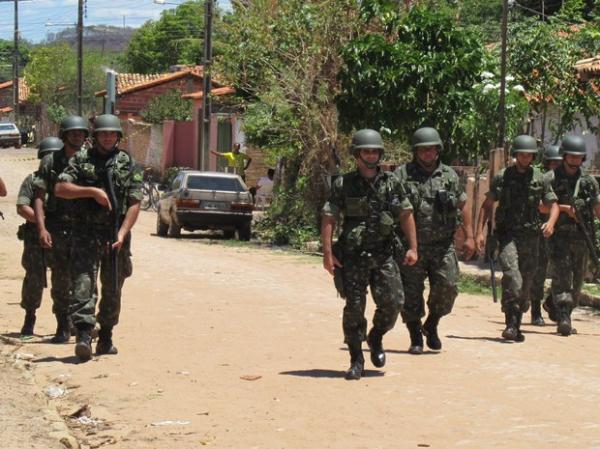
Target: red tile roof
588 68
219 91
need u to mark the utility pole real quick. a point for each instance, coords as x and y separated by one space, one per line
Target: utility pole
502 102
16 66
206 103
80 57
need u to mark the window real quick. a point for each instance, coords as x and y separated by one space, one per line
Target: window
214 183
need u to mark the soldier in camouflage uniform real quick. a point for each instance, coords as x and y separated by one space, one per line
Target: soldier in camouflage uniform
519 189
439 201
550 160
90 179
369 204
567 247
33 259
54 220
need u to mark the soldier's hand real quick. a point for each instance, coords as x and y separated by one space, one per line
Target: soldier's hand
119 243
571 213
102 198
330 262
411 257
468 248
45 239
480 243
547 230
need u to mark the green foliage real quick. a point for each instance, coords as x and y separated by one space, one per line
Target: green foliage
52 76
56 113
170 174
7 49
419 69
176 38
473 285
167 106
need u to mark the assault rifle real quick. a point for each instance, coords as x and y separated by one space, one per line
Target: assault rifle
491 244
581 224
114 253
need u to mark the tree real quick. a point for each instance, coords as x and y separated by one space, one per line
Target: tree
176 38
168 106
284 57
415 68
7 49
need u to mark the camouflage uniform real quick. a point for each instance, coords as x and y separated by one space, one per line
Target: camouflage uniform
369 209
92 234
436 224
518 225
567 247
59 216
32 259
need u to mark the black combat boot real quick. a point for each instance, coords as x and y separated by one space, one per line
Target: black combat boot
512 326
357 362
63 331
520 338
416 337
430 331
28 324
105 344
564 321
374 340
550 308
83 347
536 314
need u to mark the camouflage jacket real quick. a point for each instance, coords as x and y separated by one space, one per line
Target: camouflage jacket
25 198
564 186
519 196
89 168
57 210
369 209
435 198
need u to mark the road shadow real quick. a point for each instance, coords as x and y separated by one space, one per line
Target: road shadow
405 352
68 360
328 373
490 339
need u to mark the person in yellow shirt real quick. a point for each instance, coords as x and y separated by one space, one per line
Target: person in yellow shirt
236 159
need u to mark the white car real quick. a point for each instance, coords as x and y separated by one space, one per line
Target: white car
10 136
205 200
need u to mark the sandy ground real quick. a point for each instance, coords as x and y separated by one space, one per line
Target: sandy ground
235 346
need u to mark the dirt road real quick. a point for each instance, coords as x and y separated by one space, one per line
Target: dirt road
230 346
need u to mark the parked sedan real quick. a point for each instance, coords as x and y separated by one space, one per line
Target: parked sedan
10 136
205 200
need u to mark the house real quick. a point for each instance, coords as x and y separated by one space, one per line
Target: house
7 98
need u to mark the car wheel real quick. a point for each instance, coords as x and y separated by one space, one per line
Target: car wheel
161 228
244 232
174 229
229 234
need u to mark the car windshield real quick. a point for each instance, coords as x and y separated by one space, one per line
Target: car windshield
7 127
214 183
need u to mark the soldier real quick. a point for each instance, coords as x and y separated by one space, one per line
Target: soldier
550 160
519 189
105 183
54 219
33 259
439 202
370 204
579 202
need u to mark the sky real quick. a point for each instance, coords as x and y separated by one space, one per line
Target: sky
34 15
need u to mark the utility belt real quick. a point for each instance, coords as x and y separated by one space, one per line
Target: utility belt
27 231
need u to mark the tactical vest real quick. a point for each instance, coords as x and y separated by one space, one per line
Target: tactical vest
519 198
371 211
435 203
564 187
57 210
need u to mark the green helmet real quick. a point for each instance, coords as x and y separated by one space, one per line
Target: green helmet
426 137
72 123
524 144
573 145
552 153
108 122
48 145
366 138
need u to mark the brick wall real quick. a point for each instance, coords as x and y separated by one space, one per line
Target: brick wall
131 104
258 167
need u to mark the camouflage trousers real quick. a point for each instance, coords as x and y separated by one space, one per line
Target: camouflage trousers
569 255
518 259
541 272
379 272
33 282
58 259
91 254
439 264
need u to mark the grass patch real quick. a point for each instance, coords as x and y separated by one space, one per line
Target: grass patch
592 289
473 286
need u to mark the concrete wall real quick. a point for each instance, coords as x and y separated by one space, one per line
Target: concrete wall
145 143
